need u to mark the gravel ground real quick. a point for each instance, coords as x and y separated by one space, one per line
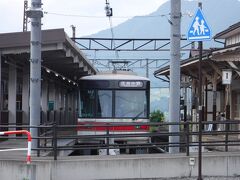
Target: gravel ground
204 178
193 178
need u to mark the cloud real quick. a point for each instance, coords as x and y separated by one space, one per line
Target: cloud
11 15
85 26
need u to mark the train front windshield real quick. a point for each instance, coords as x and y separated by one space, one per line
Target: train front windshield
114 104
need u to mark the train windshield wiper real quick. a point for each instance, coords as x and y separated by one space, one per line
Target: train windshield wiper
137 116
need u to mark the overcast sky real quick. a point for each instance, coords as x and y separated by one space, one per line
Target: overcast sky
11 14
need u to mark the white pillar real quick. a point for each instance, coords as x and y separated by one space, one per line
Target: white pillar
1 100
52 97
194 110
67 108
57 97
63 105
44 100
62 98
72 108
25 97
75 98
52 93
12 90
58 103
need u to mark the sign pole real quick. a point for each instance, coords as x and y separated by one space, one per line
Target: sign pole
200 31
200 109
200 112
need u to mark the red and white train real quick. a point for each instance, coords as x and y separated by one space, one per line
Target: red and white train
114 97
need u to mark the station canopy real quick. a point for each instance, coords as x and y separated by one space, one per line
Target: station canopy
59 53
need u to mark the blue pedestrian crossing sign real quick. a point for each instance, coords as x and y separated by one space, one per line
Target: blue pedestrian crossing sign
199 30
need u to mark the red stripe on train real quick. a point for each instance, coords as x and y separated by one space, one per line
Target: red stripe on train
101 126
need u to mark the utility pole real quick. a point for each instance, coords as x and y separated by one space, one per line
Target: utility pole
147 68
174 104
25 18
73 31
35 13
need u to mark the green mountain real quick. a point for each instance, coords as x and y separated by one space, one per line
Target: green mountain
219 14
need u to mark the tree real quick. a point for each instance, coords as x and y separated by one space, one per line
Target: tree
156 116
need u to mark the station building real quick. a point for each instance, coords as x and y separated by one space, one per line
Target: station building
218 65
62 65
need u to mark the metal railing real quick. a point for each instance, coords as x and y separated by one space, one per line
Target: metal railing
29 140
153 141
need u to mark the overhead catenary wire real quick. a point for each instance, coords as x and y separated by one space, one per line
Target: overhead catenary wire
113 17
109 14
111 20
112 33
103 17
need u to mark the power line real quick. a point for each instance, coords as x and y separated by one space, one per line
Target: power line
129 59
102 17
188 13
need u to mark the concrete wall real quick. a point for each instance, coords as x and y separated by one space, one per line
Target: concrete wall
120 167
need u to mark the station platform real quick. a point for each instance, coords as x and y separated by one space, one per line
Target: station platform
16 149
233 142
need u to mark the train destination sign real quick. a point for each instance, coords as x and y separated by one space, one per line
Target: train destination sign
130 84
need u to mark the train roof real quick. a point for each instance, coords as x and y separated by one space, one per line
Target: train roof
115 75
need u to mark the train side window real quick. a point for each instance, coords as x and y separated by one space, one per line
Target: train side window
87 103
104 103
